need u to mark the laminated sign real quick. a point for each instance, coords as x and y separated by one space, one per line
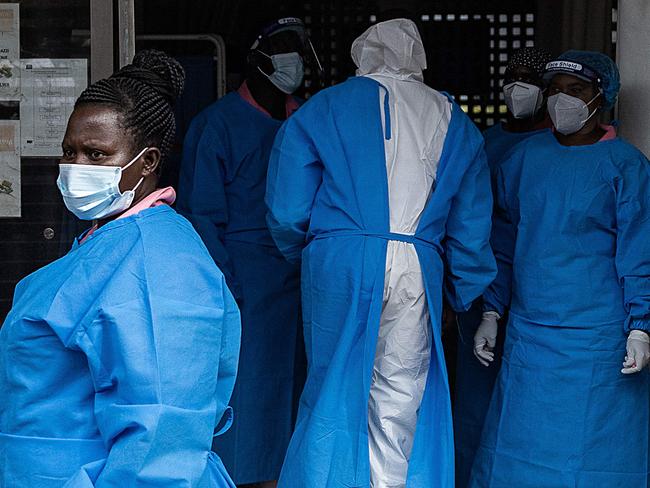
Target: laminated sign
9 168
9 52
49 90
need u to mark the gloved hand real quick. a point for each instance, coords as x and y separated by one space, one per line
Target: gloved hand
486 338
638 352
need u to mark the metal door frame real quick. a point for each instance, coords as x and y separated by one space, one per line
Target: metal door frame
102 32
219 53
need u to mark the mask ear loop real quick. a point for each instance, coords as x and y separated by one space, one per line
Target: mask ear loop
260 69
263 53
138 184
600 92
135 158
133 161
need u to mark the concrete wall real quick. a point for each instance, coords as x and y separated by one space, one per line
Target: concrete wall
633 59
574 24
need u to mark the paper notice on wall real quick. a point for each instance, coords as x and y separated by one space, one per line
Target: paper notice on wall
9 168
9 51
49 90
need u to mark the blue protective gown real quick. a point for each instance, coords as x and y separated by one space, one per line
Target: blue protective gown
474 382
221 191
577 274
117 361
328 187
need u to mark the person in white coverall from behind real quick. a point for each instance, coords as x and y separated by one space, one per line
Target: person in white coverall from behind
386 181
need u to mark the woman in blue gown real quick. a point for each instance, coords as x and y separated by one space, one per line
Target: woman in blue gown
576 279
117 361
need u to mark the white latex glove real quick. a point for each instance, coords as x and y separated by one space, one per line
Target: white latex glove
638 352
486 338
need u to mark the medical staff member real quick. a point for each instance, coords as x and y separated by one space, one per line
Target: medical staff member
524 95
523 92
379 184
117 360
221 191
575 274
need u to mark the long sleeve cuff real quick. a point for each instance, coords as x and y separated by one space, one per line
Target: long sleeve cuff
637 324
493 313
491 307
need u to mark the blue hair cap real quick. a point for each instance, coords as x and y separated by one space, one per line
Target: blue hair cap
594 66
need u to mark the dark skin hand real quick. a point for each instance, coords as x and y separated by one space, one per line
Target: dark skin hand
264 92
585 91
95 136
525 75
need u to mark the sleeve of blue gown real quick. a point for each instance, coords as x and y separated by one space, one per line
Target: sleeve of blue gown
294 177
155 370
633 241
498 295
201 194
230 346
469 259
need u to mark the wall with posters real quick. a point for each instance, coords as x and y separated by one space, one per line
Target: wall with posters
10 195
35 227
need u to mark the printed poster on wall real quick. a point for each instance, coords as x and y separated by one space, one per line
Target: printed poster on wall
49 90
9 168
9 51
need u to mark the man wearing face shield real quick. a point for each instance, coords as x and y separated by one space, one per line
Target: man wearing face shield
379 184
523 91
221 191
571 406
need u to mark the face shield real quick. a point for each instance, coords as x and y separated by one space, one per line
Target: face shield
288 35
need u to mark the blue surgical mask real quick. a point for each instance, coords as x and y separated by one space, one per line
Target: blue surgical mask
288 71
93 192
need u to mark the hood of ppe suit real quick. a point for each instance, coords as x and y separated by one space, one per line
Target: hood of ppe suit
393 48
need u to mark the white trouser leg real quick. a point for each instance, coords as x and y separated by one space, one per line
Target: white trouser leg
400 368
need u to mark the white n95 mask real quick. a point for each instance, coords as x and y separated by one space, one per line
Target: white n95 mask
569 114
523 99
93 192
288 71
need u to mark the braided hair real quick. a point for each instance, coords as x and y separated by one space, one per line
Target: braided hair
144 93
